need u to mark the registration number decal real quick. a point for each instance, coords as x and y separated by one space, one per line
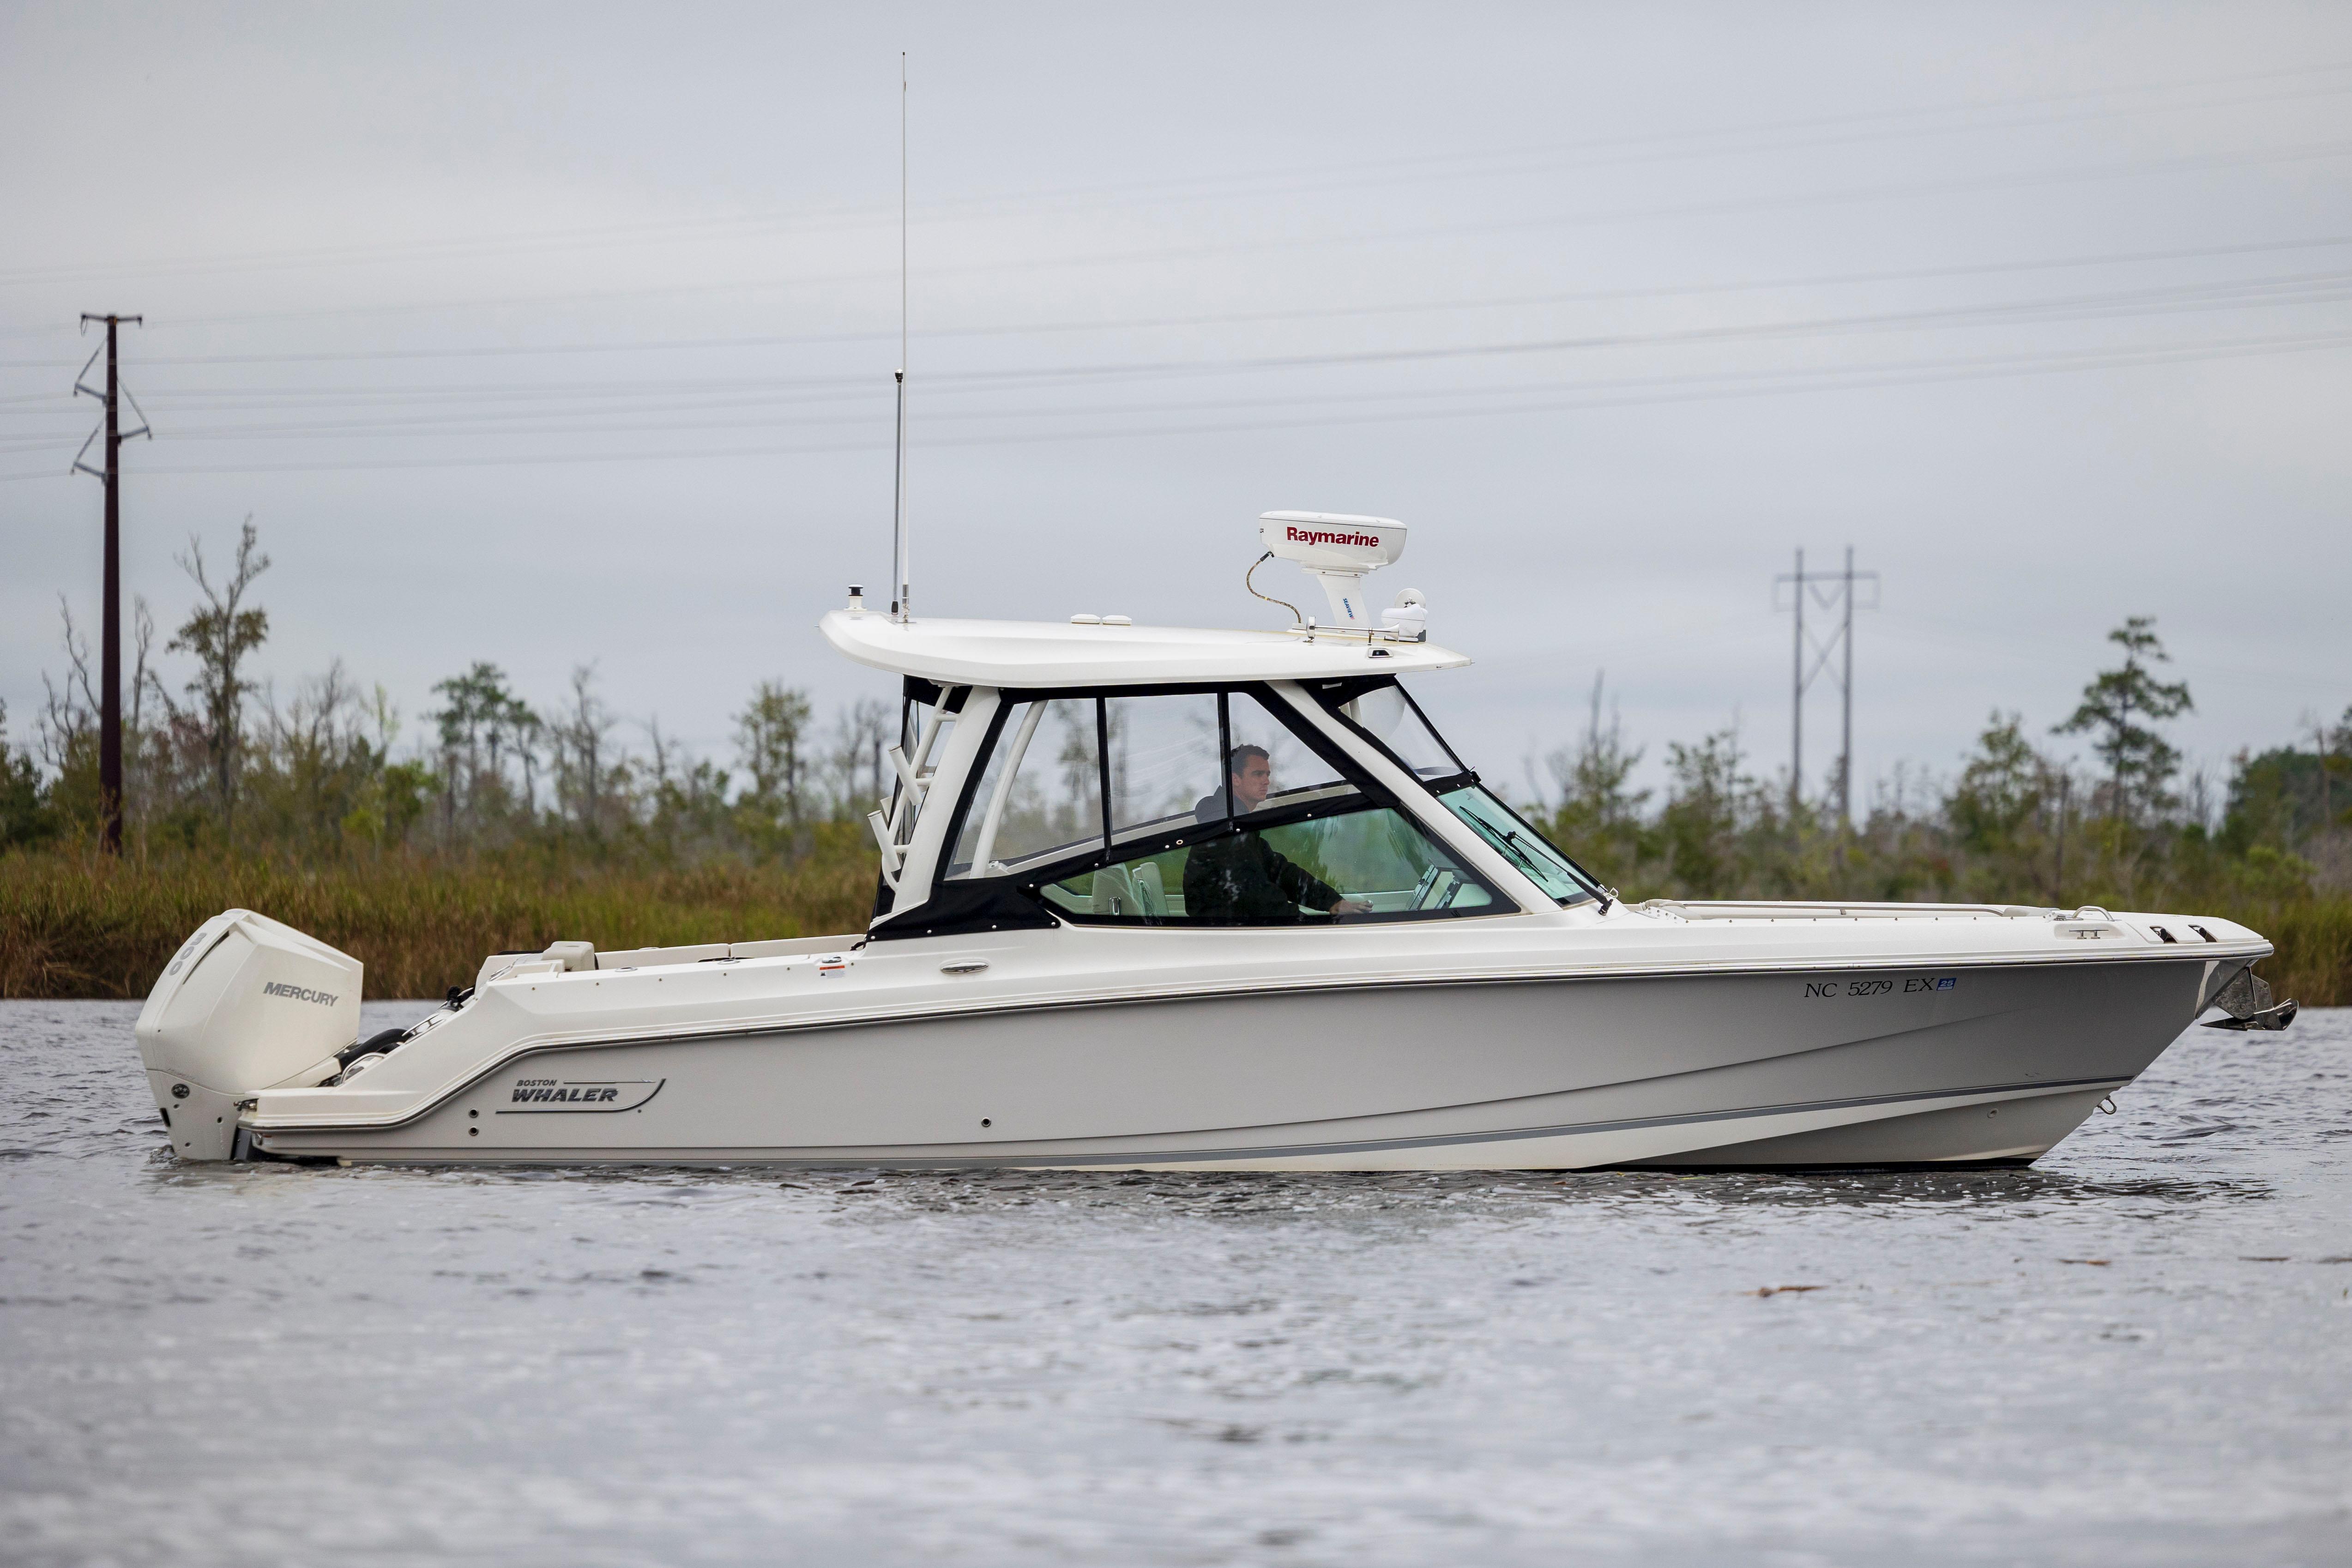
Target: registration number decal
1826 988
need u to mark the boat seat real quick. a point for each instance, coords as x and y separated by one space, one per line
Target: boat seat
497 963
1114 892
564 956
1150 893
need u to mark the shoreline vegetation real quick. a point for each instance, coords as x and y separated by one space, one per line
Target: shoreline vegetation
505 826
79 925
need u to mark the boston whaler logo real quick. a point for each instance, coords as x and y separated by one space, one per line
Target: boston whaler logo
298 992
540 1095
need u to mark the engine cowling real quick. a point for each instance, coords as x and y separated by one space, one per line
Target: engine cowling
246 1004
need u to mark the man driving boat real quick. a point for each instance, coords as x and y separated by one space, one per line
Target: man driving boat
1241 879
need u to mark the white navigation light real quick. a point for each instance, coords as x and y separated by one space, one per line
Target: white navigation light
1337 550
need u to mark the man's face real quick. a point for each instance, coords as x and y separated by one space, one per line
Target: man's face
1251 782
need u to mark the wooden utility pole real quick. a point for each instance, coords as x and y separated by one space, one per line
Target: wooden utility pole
110 697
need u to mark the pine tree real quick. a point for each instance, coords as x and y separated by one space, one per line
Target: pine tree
2140 762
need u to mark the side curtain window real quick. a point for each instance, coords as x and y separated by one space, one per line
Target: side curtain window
1296 774
1039 798
1196 808
1062 767
1163 762
1368 864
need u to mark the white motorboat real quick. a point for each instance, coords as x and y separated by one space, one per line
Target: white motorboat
1170 899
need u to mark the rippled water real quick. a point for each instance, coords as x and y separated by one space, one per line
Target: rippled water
2138 1352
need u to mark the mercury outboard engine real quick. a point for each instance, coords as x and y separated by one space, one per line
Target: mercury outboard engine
246 1004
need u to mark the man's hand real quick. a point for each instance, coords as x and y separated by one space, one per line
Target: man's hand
1351 907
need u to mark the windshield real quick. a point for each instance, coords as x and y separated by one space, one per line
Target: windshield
1520 843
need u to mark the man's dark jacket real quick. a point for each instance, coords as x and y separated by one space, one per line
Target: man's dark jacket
1238 878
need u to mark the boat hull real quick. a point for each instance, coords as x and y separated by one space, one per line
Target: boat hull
1874 1067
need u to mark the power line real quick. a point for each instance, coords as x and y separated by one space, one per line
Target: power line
2276 291
2168 301
1719 207
1844 378
378 255
1575 296
1873 374
1744 139
1499 165
504 425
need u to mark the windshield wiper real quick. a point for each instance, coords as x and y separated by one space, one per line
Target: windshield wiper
1537 867
1539 864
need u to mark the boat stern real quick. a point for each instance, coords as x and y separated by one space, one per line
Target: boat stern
246 1004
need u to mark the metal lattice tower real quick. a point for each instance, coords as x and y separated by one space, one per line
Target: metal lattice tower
1833 593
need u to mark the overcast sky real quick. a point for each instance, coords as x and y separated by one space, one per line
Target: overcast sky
557 334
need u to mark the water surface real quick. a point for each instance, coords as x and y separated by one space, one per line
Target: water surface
2138 1352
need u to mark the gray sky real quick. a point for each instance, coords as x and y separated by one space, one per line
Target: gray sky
547 334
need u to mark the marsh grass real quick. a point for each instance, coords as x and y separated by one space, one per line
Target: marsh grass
72 925
76 924
2314 937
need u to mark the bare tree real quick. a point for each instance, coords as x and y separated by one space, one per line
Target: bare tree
68 714
861 733
222 634
770 734
583 738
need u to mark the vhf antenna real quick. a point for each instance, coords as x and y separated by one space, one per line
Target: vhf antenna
902 602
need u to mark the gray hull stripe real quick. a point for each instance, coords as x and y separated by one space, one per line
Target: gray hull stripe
1194 1156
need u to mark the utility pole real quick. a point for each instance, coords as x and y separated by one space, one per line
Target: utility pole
110 697
1833 591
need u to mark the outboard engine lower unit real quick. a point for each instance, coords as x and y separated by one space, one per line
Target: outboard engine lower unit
246 1004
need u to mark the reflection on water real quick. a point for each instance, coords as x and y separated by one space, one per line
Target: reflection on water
1468 1196
2136 1351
